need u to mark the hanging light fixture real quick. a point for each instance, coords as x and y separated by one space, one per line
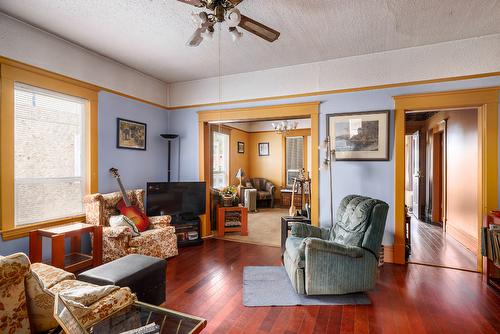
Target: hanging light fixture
218 12
283 127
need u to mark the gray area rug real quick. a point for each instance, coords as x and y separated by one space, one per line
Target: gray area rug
270 286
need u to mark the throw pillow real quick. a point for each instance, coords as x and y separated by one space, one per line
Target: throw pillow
122 220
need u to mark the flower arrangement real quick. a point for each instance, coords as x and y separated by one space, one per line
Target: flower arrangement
229 195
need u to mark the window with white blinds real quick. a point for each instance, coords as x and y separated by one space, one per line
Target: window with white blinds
294 157
220 168
49 154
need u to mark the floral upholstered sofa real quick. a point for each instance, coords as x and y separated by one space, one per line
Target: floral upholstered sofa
158 241
27 294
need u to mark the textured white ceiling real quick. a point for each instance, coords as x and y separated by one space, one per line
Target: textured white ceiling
150 35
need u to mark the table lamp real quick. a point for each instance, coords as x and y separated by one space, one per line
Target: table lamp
240 174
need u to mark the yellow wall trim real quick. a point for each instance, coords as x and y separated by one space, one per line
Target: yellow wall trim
20 232
340 91
35 69
277 111
486 100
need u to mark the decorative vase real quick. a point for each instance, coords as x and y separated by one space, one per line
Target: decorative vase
227 201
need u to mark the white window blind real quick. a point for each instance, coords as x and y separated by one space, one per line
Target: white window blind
49 154
220 170
294 157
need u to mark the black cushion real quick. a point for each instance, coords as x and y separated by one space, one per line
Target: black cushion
144 275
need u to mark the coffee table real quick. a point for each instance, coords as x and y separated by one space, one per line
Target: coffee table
131 319
140 314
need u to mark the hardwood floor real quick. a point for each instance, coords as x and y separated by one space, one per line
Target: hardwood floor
207 281
430 246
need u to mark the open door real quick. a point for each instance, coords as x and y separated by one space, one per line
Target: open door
439 177
416 173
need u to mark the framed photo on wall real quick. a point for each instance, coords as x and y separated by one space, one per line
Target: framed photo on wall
241 147
359 135
263 149
130 134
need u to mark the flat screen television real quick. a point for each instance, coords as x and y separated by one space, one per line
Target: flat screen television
175 198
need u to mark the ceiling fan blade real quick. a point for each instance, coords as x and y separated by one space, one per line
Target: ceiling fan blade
195 38
196 3
235 2
259 29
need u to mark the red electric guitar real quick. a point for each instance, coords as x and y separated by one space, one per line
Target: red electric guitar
127 209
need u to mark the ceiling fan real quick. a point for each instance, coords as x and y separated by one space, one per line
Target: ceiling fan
219 11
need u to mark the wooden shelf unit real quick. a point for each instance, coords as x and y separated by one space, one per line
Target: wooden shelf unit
236 211
492 271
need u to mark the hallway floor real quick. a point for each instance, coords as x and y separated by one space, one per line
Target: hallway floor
429 245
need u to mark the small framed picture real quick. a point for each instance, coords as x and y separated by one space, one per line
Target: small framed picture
359 135
263 149
241 147
131 134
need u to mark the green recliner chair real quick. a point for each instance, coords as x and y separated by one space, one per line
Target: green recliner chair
342 259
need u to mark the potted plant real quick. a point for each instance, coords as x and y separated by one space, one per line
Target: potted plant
229 195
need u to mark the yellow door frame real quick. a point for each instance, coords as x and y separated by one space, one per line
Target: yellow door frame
282 111
486 101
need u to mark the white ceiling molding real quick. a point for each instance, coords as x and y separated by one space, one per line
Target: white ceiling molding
27 44
443 60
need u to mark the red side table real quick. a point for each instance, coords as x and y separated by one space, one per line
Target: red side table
75 260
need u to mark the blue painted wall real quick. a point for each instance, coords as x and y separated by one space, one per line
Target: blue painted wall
136 167
374 179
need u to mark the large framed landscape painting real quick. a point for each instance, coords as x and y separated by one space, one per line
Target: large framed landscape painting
131 134
359 135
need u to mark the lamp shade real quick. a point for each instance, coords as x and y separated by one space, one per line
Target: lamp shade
240 173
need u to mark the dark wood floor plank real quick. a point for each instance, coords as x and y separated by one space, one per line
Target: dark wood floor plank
207 281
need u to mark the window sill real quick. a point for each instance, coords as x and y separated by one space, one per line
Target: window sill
23 231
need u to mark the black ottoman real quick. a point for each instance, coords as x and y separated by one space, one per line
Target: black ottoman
144 275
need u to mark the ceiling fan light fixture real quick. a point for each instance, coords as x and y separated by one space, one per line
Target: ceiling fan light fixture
235 33
220 11
233 17
199 18
208 33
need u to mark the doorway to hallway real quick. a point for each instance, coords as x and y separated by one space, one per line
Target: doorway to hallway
441 186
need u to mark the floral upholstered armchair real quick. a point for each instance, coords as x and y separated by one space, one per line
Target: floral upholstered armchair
27 294
158 241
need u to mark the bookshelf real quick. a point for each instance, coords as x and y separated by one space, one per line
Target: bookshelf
492 268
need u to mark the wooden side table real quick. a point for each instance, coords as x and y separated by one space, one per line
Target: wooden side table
286 225
75 260
222 214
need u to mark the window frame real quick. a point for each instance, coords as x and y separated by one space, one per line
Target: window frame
305 133
287 170
31 76
225 132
